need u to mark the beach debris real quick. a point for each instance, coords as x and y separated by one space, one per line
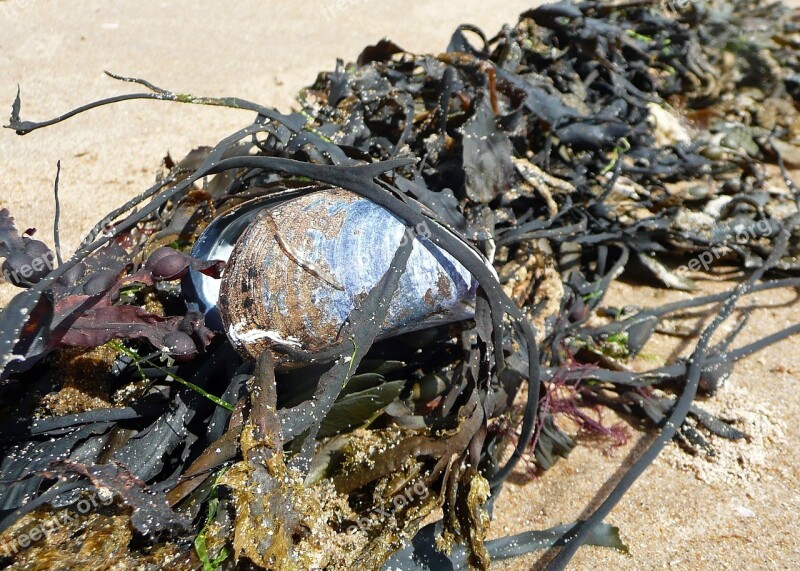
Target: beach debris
536 167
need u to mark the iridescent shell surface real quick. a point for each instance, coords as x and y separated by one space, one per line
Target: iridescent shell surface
301 266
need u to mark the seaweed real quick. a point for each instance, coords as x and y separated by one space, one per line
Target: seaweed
586 143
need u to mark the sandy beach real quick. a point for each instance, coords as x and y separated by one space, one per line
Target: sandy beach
736 510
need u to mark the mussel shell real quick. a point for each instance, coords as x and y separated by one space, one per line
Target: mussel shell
301 266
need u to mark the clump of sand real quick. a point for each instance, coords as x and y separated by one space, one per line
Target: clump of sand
734 461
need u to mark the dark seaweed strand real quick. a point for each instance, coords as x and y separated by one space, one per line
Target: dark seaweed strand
51 494
700 301
57 220
158 94
357 338
583 529
531 407
757 346
295 122
151 405
578 535
406 128
364 323
674 371
120 210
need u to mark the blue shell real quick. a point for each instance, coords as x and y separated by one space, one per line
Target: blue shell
299 268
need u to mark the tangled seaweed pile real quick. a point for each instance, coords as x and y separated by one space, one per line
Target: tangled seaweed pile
588 140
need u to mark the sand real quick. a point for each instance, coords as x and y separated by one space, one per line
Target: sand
737 510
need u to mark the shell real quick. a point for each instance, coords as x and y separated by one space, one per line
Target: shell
301 265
